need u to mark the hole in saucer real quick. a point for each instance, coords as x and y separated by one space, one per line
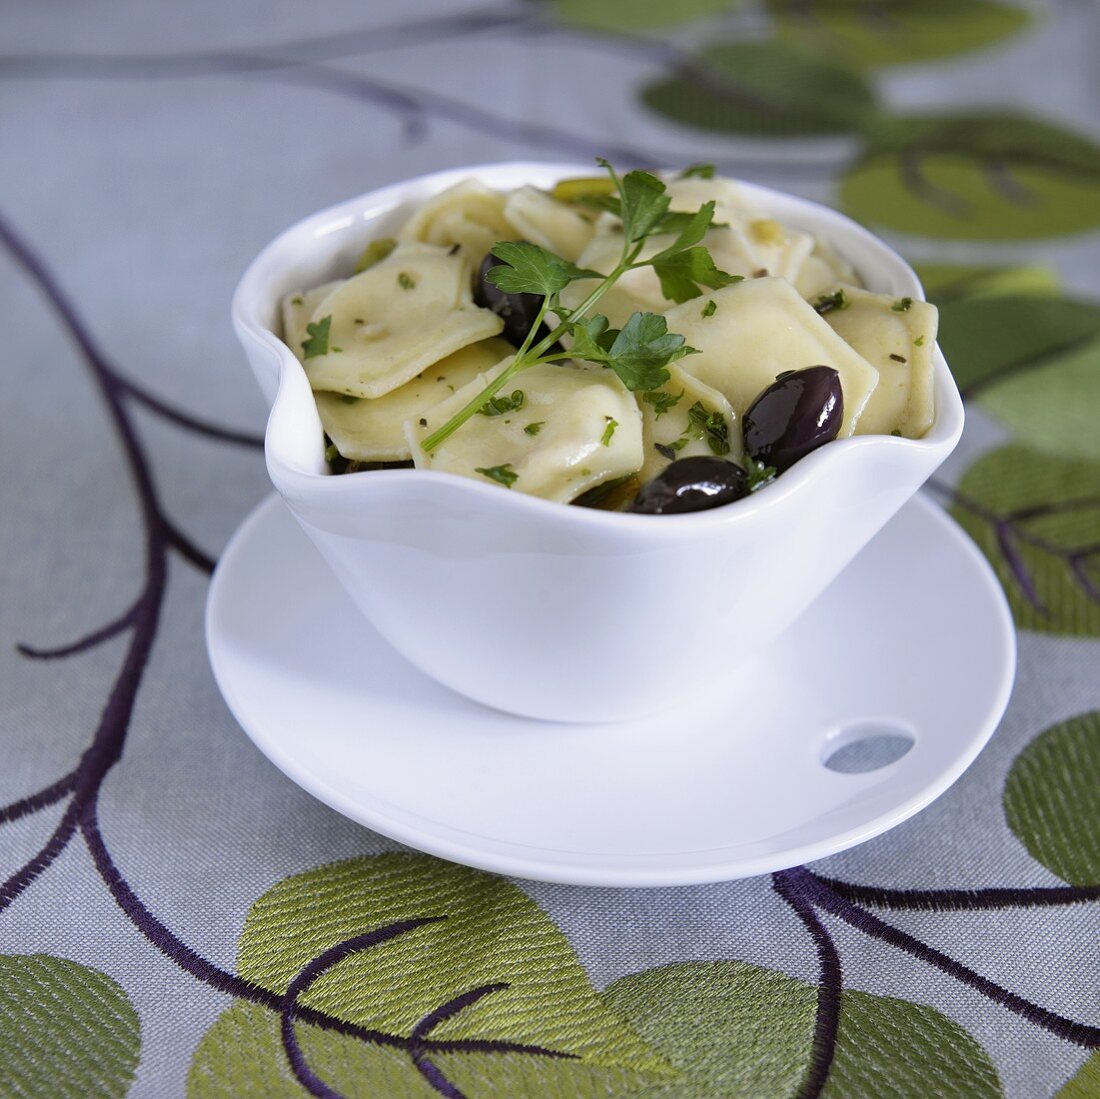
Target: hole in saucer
864 746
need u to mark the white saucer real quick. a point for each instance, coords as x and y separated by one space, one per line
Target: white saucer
914 637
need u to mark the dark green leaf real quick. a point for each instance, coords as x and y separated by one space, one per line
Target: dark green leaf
528 269
643 349
764 88
317 343
1052 799
873 33
683 273
662 401
709 309
504 475
698 171
977 176
644 203
712 426
534 428
759 474
693 231
592 338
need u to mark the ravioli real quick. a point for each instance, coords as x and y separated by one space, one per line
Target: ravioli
535 216
468 214
688 418
823 270
898 340
393 320
374 430
297 310
577 428
759 328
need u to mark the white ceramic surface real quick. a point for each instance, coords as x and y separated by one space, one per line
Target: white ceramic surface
915 636
558 612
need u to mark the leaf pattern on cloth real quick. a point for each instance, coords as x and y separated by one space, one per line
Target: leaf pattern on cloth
763 88
490 967
66 1030
872 33
1037 518
976 176
1085 1082
1052 799
737 1030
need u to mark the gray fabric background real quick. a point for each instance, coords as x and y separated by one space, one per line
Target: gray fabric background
148 196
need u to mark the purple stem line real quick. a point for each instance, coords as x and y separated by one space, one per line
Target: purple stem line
89 641
823 896
963 900
830 985
33 803
186 548
110 735
310 973
183 419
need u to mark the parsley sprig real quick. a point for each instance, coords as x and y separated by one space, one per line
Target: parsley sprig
640 351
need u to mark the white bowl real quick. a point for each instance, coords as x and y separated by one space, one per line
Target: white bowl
568 613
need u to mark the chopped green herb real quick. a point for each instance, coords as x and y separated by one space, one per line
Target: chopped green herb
348 398
709 309
535 428
497 406
919 341
503 475
898 358
698 171
331 453
661 401
406 281
423 422
337 350
297 300
317 344
902 305
828 302
608 431
758 473
712 426
375 252
896 433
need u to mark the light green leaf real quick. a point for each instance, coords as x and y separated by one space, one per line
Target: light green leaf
993 176
66 1030
636 15
242 1057
990 339
492 934
763 88
1036 517
1055 406
946 282
873 33
1085 1082
1052 799
736 1030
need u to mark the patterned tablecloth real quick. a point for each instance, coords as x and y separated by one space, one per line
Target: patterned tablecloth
173 909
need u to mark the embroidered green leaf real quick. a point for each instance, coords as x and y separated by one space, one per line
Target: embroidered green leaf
1037 518
869 32
945 283
763 88
1052 799
66 1030
977 176
493 934
985 339
1085 1082
734 1029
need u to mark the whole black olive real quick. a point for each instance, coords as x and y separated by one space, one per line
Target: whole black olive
692 484
518 311
797 413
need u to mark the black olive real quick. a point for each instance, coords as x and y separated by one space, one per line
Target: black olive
692 484
518 311
797 413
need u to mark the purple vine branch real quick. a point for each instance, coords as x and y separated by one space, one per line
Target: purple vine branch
963 900
1009 532
35 802
301 983
830 985
823 896
89 641
185 420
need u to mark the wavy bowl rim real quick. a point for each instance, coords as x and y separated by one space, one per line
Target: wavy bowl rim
291 480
